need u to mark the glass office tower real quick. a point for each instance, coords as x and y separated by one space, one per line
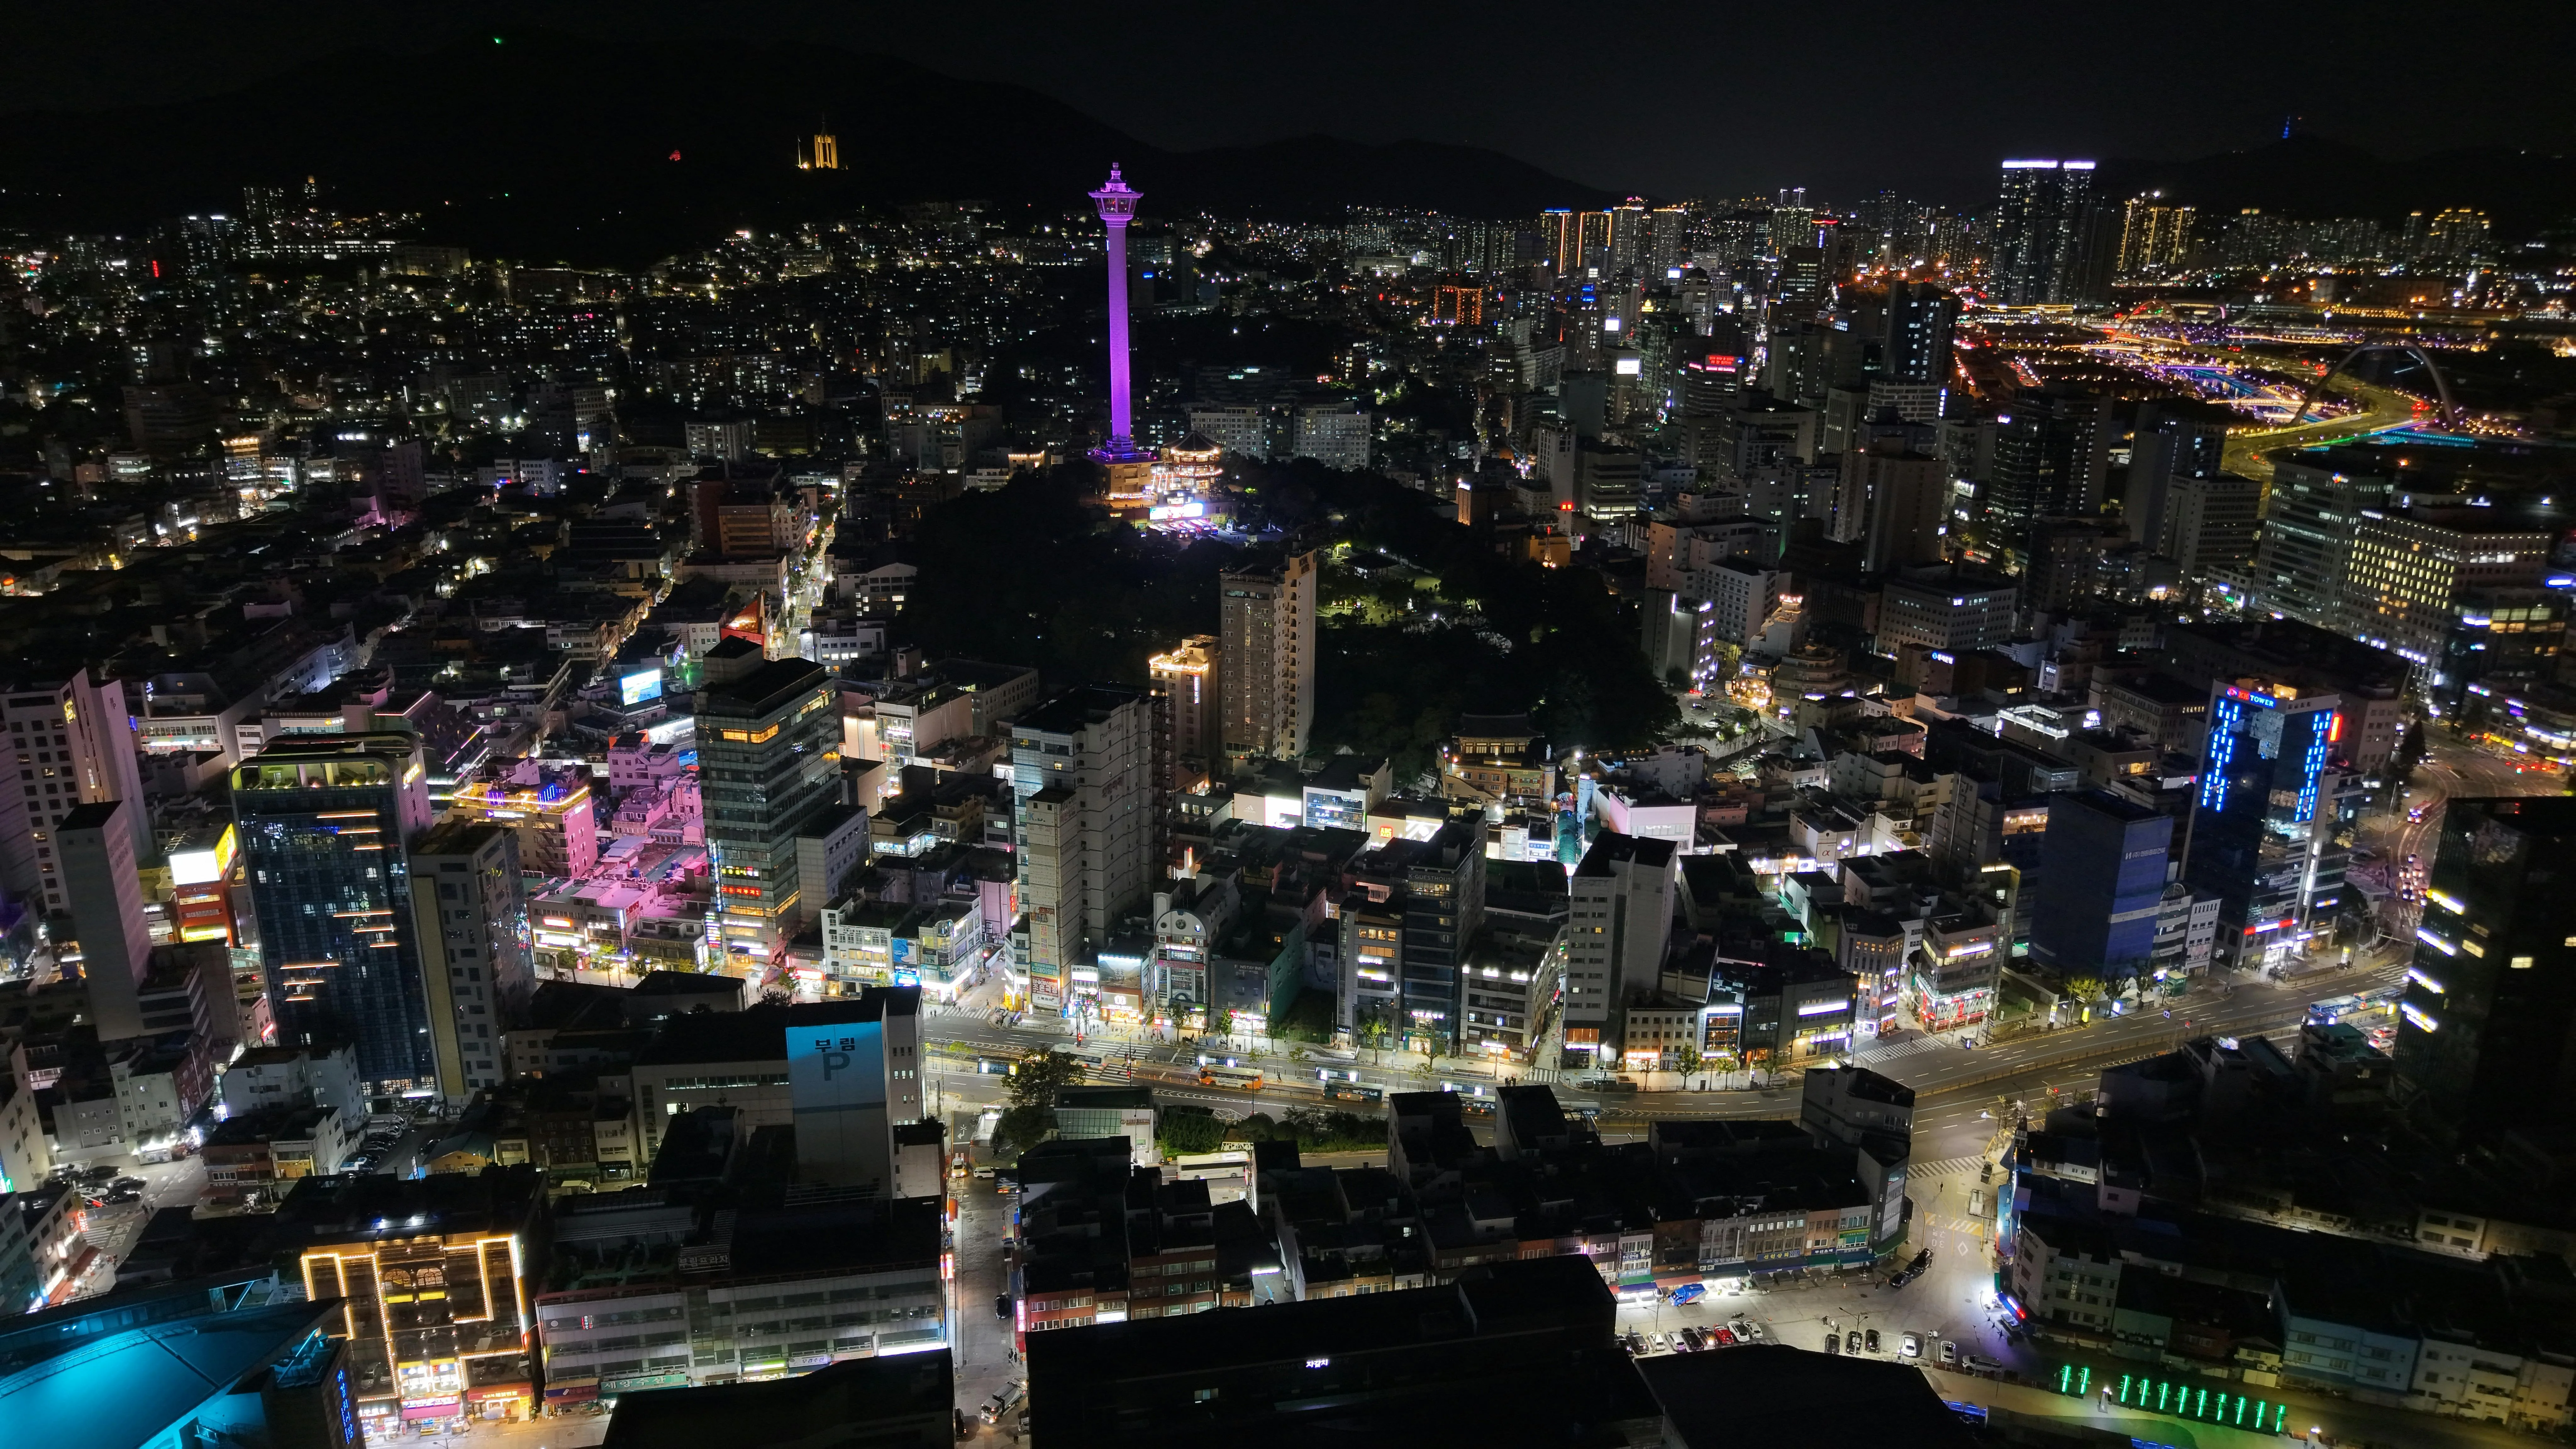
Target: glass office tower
324 822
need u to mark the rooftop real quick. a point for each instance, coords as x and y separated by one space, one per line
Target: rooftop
866 1400
765 690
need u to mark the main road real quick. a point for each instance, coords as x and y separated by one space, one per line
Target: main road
1951 1083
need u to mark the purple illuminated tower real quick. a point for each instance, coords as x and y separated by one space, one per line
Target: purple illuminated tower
1117 201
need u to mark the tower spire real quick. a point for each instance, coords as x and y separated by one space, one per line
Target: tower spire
1116 201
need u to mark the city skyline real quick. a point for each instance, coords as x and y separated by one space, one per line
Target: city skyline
1635 123
790 768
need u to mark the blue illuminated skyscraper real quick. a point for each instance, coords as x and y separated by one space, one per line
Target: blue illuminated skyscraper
2257 842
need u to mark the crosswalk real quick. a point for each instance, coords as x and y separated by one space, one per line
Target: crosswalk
1945 1166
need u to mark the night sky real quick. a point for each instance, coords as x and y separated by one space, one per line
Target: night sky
1665 98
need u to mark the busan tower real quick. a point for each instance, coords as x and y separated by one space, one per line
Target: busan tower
1128 465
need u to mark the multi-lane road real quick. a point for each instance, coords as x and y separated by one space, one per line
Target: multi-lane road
1951 1083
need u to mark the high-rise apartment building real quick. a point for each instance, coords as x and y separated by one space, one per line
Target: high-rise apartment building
1760 432
2486 1032
1799 289
1904 499
1191 678
766 768
1268 640
1333 434
2316 505
105 896
2106 885
1082 775
75 746
2258 840
1920 318
2155 237
2456 236
2052 457
1628 223
1591 242
1621 920
324 823
1240 430
470 910
2043 214
2174 438
1556 239
2210 524
1667 240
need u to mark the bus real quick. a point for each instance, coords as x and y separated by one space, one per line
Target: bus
1353 1092
1474 1099
1218 1074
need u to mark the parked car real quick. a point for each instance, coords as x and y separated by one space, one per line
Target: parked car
1002 1306
1912 1347
1833 1342
1695 1339
1725 1337
1977 1364
1949 1352
1871 1338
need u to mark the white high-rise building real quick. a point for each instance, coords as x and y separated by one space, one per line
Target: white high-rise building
75 746
1620 920
1082 772
1190 679
1241 431
1268 640
1335 435
472 916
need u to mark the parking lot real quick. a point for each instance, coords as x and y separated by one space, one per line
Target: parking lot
1947 1304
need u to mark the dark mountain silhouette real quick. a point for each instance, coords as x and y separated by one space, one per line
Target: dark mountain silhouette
545 146
2313 176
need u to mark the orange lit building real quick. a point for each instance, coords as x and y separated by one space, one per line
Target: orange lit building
433 1274
1458 306
548 809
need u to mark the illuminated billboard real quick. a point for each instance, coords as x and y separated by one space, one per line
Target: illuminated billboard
203 865
642 685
